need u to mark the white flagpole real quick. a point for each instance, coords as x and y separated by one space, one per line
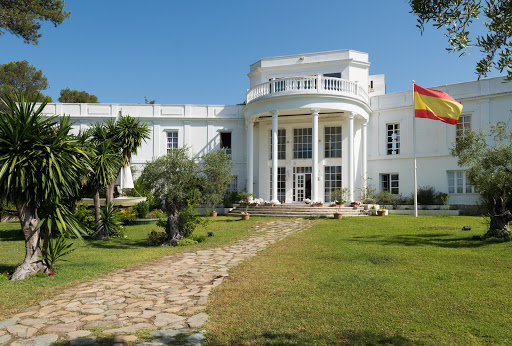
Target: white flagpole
414 150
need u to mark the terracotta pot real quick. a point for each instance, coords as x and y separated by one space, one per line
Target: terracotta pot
213 214
382 212
338 216
245 217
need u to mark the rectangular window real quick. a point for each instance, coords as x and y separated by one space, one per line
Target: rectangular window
281 183
333 141
393 139
389 182
225 141
172 140
332 179
281 144
463 126
233 185
302 143
458 183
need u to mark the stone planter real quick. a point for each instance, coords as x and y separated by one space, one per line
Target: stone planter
338 216
368 206
383 212
245 216
373 212
213 214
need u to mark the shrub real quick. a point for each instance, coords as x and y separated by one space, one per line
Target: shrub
384 197
156 238
442 198
189 220
57 248
127 215
110 221
426 195
198 237
4 276
141 209
157 214
340 195
85 216
186 242
368 201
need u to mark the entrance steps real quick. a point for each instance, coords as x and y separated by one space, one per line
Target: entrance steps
297 210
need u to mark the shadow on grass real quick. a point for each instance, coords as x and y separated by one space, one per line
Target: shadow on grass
7 269
348 337
11 234
426 239
124 244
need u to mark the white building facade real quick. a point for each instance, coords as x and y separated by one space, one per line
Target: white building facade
333 123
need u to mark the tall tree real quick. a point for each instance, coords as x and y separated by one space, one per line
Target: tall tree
41 164
23 18
488 157
21 77
457 16
74 96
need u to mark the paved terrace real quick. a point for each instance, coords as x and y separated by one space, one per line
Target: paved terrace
167 296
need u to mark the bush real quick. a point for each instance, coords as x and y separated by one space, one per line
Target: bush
426 195
189 220
157 214
4 276
141 209
85 216
156 238
127 215
230 198
198 237
57 248
384 197
186 242
442 198
368 201
110 221
340 195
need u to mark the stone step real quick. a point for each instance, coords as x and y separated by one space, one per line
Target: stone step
297 210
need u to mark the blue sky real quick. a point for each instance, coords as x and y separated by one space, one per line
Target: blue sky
199 52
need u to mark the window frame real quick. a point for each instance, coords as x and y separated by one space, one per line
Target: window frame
331 146
331 185
281 144
461 128
465 186
175 140
386 183
393 144
229 150
303 143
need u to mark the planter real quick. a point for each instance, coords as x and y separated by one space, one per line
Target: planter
368 206
255 205
246 217
382 212
213 214
338 216
318 205
373 212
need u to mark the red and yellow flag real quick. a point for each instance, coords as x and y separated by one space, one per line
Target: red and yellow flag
436 105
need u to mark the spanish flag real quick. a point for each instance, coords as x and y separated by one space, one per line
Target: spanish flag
436 105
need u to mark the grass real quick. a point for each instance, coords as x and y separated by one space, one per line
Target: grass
364 281
92 258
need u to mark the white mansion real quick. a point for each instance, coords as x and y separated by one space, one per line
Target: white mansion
333 123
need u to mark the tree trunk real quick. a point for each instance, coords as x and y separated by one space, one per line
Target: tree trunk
499 226
32 263
173 228
109 193
99 234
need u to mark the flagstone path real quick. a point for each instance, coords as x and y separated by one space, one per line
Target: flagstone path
166 296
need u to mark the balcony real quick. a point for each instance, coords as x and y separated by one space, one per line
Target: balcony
307 85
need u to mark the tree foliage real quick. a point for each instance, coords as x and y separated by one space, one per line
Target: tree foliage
23 18
216 169
41 169
21 77
75 96
489 163
457 17
174 177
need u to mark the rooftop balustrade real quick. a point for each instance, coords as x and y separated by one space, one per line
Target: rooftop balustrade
307 85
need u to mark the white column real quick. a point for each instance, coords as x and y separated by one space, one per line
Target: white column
275 115
314 168
364 144
250 156
350 156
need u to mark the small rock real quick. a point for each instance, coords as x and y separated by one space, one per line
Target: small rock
125 338
64 328
22 331
102 324
4 338
170 332
79 334
32 321
196 338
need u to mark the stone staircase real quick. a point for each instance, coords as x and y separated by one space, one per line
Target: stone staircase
297 210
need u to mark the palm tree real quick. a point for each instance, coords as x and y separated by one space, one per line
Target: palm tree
41 164
128 134
106 161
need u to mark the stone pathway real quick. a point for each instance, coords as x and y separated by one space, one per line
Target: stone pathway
166 296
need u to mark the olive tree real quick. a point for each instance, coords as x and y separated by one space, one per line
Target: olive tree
489 163
216 169
174 177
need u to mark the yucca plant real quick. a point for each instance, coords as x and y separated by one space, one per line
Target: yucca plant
57 248
110 220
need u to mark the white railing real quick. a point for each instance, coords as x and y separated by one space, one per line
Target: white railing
306 85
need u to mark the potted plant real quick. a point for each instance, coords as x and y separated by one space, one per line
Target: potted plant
340 196
317 204
268 203
355 204
245 215
382 212
367 203
246 200
213 213
373 210
338 215
335 204
306 200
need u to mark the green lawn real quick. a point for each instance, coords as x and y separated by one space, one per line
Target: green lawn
374 280
92 258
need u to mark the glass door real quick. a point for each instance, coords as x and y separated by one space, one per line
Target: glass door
300 186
